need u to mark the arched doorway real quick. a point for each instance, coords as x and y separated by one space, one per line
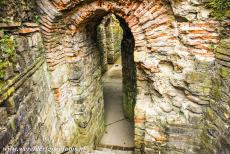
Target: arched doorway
78 91
116 44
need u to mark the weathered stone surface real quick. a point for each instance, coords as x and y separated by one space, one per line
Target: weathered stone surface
28 30
10 25
190 10
110 35
181 87
17 11
3 115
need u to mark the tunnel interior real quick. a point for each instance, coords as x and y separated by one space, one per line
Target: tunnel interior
54 88
127 46
116 46
118 77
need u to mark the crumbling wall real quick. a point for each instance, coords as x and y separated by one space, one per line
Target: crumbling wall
173 55
25 93
18 11
215 135
129 73
215 126
77 86
182 100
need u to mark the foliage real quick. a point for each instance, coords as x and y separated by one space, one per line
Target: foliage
7 53
220 8
36 19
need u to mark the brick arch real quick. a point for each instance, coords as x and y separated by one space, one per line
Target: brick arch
144 20
148 21
163 48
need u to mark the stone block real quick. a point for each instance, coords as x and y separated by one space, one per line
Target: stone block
4 137
3 115
196 77
28 30
110 36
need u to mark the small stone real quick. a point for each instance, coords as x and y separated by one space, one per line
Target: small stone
224 72
178 83
28 30
1 34
8 25
9 72
197 100
225 43
223 50
30 24
195 108
177 101
196 77
177 104
5 137
196 2
204 14
21 44
35 39
166 107
194 118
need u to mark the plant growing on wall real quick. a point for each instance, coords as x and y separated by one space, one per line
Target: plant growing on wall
7 54
36 19
220 8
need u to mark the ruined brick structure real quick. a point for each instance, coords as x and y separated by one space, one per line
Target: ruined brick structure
178 88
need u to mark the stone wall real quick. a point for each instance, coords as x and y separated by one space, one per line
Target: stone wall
111 42
173 57
109 36
182 99
18 11
78 89
215 135
26 99
128 72
25 91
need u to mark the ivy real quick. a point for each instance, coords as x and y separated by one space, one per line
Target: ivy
7 53
220 8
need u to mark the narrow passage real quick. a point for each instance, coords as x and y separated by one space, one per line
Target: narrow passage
119 131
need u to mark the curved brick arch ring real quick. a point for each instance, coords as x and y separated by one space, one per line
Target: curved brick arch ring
149 22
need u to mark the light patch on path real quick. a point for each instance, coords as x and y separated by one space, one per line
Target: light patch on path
119 131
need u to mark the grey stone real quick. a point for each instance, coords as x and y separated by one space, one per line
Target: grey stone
166 107
195 108
3 115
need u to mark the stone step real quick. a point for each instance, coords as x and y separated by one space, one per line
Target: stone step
103 152
110 151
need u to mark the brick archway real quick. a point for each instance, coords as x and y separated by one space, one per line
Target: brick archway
157 63
142 18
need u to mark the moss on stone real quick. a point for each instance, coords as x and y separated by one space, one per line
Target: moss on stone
10 91
225 43
197 77
128 105
224 73
220 8
211 115
207 143
7 55
216 89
